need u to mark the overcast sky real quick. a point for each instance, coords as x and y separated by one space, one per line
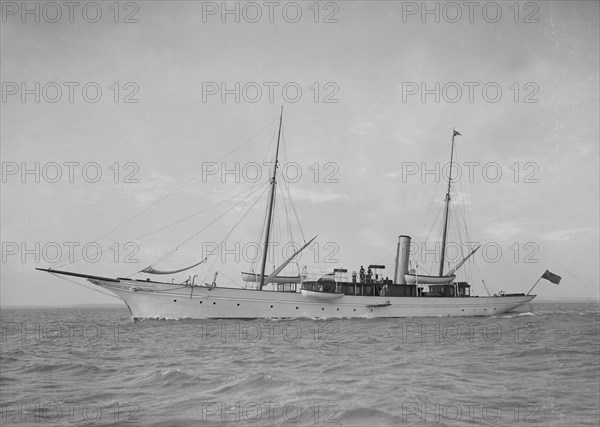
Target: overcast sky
372 93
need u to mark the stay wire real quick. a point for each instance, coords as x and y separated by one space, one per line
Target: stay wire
162 199
205 227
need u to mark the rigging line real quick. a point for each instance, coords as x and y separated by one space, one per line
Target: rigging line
464 238
235 222
279 218
479 271
83 286
463 213
285 233
297 218
461 224
260 235
433 224
280 227
222 241
248 140
239 220
177 189
439 182
215 220
208 271
288 221
289 195
230 279
75 260
271 143
462 228
458 193
260 239
263 224
285 204
276 235
273 139
285 193
158 261
201 230
432 264
261 230
429 210
381 260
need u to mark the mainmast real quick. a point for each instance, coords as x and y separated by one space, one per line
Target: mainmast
270 208
447 208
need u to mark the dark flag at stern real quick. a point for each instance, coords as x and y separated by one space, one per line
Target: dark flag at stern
551 277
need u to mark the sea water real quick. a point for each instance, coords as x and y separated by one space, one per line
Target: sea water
94 366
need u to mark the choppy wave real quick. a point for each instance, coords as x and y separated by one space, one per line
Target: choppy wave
536 367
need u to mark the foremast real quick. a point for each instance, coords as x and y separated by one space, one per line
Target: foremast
447 206
270 206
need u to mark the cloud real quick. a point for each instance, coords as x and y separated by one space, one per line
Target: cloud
561 235
317 196
504 230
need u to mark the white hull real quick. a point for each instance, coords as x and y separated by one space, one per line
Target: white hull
164 300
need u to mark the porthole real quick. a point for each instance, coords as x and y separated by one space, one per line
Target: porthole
271 306
238 304
214 303
174 300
